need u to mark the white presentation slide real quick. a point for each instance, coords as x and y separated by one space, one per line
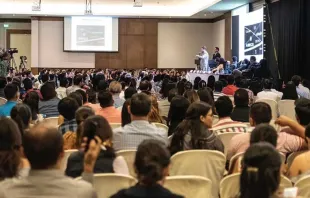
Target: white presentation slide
251 36
91 34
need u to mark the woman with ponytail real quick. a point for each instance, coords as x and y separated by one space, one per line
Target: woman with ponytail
193 132
260 177
107 162
152 166
21 114
72 139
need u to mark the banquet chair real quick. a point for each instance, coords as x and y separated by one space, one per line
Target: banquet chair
107 185
207 163
64 160
163 126
115 125
287 108
52 121
303 186
2 101
225 138
273 105
189 186
292 157
230 185
129 156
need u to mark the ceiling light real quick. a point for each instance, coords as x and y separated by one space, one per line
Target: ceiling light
36 6
137 3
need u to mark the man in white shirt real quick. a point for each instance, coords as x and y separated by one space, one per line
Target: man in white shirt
77 84
267 93
62 90
302 91
204 59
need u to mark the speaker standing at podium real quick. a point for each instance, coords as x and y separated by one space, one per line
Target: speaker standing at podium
204 59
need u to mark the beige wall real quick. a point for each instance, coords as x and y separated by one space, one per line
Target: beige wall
23 26
178 43
219 36
23 43
50 48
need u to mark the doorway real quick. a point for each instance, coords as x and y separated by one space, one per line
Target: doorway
20 39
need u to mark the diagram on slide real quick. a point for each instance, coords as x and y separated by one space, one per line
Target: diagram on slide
253 39
90 35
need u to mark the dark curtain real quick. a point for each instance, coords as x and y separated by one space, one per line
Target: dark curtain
290 22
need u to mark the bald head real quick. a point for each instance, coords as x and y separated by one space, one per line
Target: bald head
43 146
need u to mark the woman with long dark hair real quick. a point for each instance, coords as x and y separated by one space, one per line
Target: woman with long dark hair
21 114
261 166
152 166
289 92
177 111
193 132
11 162
107 162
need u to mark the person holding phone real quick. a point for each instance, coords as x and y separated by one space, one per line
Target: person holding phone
107 161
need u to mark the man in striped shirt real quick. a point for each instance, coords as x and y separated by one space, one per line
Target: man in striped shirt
224 108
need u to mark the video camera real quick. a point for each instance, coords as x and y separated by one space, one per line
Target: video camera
5 53
12 50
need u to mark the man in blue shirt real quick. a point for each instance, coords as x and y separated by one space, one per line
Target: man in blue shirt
11 93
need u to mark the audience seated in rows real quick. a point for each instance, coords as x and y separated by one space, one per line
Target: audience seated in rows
11 92
230 89
193 132
262 162
267 93
139 129
260 113
115 88
289 92
302 91
67 108
224 108
72 140
49 105
177 112
21 114
152 166
108 110
241 110
77 84
107 162
43 147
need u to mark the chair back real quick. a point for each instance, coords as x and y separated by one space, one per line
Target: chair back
2 101
292 156
115 125
225 138
207 163
64 161
234 159
215 119
107 185
303 186
230 185
129 156
163 126
189 186
53 121
287 108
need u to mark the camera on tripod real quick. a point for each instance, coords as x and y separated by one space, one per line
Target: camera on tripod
12 50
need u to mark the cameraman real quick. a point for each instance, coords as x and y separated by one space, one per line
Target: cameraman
4 63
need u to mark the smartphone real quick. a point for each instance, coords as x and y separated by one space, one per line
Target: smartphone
290 192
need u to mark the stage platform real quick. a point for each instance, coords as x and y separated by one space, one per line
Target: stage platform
204 76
